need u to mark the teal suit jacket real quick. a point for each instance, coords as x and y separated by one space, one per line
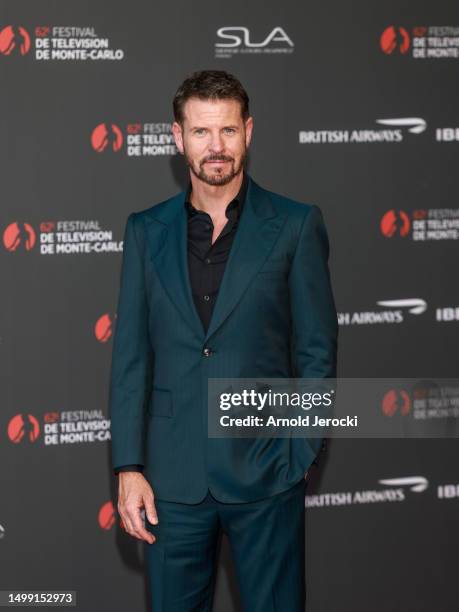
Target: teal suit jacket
274 316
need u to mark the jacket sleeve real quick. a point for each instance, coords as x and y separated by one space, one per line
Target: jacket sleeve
132 356
314 316
128 468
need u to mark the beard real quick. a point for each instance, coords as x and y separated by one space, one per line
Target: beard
220 177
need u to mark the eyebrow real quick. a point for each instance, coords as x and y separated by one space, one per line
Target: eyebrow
202 127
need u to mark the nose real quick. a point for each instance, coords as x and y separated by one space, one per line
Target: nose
216 144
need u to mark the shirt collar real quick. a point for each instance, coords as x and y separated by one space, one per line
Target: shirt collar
235 206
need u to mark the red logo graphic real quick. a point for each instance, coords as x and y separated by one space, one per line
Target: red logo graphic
419 31
107 516
106 135
42 31
51 417
13 37
134 128
395 221
394 38
396 400
103 328
23 427
19 234
47 226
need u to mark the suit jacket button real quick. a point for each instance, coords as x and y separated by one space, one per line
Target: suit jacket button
206 351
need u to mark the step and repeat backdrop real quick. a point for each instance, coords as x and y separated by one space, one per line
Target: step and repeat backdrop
355 107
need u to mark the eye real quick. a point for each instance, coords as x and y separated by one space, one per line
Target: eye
230 130
199 131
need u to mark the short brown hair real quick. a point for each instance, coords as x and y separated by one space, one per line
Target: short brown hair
210 85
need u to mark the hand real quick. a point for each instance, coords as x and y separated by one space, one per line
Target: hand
305 475
134 494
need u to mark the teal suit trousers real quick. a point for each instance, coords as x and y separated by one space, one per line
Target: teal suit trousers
266 538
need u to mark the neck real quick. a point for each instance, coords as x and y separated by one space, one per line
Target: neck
214 198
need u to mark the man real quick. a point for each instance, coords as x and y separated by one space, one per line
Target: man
223 280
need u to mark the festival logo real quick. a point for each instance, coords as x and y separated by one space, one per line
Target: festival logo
61 237
396 401
395 39
103 328
23 428
421 225
19 235
60 427
421 42
14 40
395 222
139 139
58 43
106 516
106 137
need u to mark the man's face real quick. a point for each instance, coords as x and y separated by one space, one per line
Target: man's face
214 139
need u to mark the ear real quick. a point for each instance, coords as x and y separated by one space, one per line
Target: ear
248 131
178 136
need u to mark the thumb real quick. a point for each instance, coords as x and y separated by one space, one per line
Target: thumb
150 511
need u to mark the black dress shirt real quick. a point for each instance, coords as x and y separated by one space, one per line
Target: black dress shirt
206 261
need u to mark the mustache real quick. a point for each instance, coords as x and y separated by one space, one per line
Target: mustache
216 157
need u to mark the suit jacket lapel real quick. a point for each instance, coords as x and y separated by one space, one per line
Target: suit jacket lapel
259 226
168 246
